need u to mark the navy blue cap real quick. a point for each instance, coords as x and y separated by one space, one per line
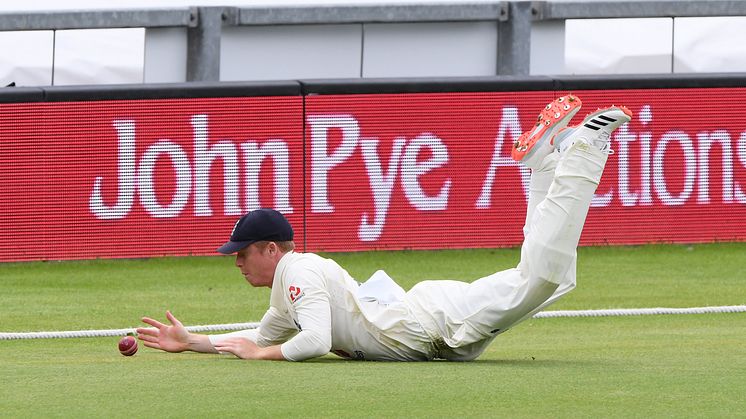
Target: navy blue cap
258 225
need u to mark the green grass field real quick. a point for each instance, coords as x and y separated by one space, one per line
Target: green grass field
647 366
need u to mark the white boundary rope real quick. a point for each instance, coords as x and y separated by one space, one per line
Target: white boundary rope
119 332
639 311
243 326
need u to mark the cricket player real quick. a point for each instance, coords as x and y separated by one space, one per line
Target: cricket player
316 307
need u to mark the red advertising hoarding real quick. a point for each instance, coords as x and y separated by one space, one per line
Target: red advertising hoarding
420 171
678 174
138 178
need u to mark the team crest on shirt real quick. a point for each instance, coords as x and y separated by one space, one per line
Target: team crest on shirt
295 293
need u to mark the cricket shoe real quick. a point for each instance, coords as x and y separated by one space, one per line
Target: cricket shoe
595 129
534 145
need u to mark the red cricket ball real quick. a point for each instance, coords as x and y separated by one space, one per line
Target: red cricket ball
128 346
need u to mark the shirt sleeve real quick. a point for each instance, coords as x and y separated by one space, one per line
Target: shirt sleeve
273 330
307 293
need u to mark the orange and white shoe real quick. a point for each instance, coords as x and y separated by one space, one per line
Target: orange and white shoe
596 129
534 145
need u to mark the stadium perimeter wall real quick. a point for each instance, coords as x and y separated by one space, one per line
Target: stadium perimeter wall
154 170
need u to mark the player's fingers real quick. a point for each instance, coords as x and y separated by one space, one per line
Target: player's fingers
153 322
146 338
222 348
152 345
174 321
147 331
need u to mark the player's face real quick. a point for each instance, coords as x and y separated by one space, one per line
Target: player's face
257 263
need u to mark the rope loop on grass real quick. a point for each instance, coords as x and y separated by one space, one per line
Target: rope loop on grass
244 326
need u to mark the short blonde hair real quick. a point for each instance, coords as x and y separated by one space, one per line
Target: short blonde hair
284 247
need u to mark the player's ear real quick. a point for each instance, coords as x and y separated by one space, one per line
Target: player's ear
272 248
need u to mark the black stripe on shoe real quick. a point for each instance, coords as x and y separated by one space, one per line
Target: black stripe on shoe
606 118
603 124
593 127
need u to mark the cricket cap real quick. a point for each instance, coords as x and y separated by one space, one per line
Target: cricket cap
258 225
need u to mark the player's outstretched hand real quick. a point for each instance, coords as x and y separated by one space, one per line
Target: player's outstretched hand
240 347
173 338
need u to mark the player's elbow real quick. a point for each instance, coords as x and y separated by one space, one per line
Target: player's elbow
306 345
321 344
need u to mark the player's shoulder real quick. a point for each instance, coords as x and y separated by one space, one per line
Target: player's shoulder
303 274
302 260
303 265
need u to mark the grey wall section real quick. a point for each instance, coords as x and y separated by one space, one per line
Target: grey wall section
289 52
548 48
165 55
429 49
433 49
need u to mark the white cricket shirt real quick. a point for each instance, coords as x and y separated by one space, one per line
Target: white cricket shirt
316 307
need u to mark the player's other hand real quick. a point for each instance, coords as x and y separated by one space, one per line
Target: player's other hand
240 347
173 338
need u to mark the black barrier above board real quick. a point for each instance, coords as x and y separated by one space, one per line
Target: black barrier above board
520 84
172 91
21 94
649 81
365 86
427 85
149 91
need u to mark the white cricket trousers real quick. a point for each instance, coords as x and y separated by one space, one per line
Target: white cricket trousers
462 318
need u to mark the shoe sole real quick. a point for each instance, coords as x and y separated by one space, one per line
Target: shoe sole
555 116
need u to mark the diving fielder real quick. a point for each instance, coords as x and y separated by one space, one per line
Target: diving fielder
316 307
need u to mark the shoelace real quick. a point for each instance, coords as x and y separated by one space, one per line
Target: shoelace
605 147
602 144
